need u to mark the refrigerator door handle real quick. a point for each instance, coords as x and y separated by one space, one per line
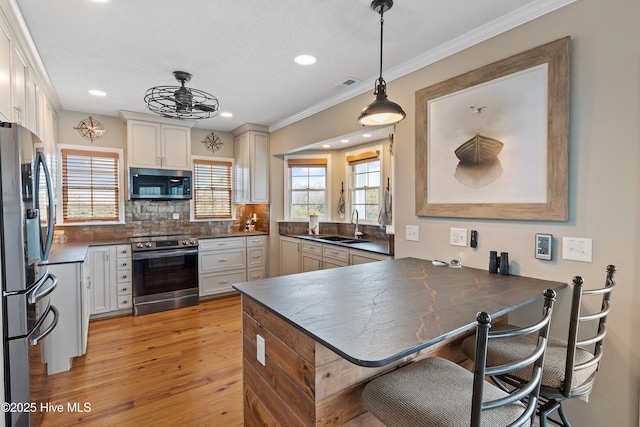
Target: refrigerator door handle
41 165
34 340
38 292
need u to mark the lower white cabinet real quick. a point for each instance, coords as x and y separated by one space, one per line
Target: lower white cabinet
109 278
69 338
300 255
228 260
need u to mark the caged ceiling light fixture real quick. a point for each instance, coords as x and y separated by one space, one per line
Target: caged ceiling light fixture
181 102
381 111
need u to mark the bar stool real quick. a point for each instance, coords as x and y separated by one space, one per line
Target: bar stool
570 367
438 393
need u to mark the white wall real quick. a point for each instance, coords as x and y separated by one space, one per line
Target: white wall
603 172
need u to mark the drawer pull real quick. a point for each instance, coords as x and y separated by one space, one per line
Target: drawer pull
124 289
125 301
256 257
124 276
223 260
223 282
124 264
124 251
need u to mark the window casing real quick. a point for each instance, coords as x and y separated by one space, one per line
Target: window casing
212 189
90 186
365 172
307 187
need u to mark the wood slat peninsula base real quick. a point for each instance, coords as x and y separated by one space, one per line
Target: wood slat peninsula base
303 383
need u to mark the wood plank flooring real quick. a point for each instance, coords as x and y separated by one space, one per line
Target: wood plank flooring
180 367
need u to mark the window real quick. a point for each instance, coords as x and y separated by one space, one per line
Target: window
212 189
307 182
90 186
364 180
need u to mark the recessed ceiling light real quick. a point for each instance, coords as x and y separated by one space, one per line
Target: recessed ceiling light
366 135
101 1
96 92
344 141
226 114
326 146
305 59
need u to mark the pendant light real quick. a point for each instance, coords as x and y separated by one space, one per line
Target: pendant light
381 111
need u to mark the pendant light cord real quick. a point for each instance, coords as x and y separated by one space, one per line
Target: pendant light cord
381 80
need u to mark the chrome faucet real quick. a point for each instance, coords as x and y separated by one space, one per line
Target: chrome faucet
357 233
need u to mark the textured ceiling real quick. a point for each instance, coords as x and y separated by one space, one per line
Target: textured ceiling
242 50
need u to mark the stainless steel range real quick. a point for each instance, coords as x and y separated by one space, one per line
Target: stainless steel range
165 273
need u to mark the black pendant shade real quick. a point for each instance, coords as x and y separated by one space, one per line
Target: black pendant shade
381 111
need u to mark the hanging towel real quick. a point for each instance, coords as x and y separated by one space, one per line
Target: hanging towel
384 216
341 204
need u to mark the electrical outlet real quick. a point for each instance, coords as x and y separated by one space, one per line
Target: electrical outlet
260 349
176 215
413 233
577 249
458 237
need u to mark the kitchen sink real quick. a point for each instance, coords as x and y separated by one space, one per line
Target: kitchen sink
339 239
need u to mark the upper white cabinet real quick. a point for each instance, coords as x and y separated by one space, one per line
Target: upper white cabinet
251 164
19 88
5 74
159 146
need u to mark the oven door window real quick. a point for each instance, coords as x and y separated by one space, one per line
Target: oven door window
162 274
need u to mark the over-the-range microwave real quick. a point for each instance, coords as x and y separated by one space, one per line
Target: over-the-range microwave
159 184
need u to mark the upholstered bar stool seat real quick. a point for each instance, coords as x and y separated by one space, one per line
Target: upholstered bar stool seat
512 349
433 392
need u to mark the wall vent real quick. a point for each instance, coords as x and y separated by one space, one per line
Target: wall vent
348 81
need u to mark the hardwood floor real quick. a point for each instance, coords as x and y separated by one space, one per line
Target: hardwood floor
180 367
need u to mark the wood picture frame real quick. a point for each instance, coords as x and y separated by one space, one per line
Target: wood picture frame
544 246
508 185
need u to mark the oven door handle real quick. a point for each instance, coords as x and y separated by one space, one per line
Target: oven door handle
163 254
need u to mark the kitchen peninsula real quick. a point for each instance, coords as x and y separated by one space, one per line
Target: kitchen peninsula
320 335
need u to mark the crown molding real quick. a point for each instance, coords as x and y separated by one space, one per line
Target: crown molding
491 29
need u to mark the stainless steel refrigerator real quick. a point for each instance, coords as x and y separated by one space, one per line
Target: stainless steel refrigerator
27 222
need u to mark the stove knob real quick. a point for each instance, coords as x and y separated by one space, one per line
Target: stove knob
148 244
193 242
185 242
139 245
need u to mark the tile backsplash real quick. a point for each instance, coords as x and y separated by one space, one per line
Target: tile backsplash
154 218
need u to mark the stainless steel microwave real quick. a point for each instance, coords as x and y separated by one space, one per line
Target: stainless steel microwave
159 184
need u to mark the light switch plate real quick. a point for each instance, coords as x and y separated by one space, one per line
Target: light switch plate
413 233
577 249
458 237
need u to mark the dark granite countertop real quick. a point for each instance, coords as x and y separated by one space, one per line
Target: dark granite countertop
364 245
76 251
374 314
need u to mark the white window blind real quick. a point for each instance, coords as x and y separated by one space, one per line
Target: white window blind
212 197
365 184
90 187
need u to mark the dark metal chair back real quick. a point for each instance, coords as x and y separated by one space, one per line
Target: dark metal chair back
530 389
577 320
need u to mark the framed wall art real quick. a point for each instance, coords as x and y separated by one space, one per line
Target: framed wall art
493 142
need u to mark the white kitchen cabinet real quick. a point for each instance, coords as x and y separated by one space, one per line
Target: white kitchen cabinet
98 260
251 166
69 338
289 255
334 256
363 257
256 257
221 263
158 146
19 87
109 278
310 256
5 73
31 103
